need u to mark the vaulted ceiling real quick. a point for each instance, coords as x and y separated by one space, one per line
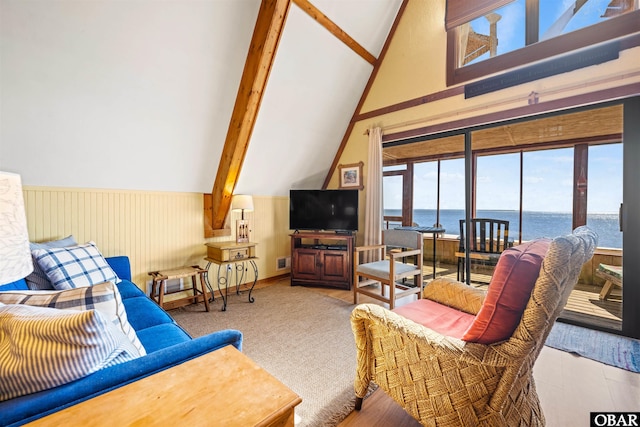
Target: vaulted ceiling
314 86
319 72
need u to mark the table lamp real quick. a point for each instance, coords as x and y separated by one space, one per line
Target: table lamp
15 254
242 202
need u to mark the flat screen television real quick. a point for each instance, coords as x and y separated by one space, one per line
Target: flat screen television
329 210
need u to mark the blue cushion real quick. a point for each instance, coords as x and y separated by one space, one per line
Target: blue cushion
129 290
121 266
18 285
160 336
143 313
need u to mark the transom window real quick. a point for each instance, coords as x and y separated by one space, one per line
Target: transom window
541 28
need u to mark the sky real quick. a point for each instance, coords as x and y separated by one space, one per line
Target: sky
548 175
547 182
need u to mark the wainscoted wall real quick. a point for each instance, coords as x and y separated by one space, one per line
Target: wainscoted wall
157 230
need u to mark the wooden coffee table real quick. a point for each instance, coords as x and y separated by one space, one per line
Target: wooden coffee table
223 388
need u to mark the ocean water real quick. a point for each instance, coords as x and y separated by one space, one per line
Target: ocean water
534 224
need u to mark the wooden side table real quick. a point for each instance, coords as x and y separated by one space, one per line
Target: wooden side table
244 394
231 256
158 286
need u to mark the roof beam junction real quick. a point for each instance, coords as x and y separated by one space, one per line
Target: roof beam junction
313 12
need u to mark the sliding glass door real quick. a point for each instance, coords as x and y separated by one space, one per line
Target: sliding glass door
546 175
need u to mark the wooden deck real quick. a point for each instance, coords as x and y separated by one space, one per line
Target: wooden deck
583 306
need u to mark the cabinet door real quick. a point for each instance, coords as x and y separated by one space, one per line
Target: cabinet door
335 266
306 264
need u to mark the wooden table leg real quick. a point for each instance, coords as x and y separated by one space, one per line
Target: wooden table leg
161 290
203 290
606 290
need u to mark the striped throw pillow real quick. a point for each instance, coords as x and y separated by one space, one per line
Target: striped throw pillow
103 297
75 266
42 348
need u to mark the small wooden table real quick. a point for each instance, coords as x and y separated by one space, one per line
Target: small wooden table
158 286
240 393
232 256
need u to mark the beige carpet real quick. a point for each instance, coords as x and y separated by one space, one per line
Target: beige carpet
301 337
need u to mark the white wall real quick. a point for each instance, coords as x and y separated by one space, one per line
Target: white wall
119 94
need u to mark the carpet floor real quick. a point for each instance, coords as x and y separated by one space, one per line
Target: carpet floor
614 350
301 337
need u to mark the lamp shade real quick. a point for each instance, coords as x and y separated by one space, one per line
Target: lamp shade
15 254
242 202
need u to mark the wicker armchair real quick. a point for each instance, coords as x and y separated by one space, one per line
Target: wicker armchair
444 381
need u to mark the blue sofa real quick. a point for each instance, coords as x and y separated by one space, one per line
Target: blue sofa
166 343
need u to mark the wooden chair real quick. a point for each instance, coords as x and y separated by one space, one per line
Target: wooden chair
397 246
443 380
488 238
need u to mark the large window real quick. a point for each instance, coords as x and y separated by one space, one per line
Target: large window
498 190
533 190
545 176
425 193
547 193
524 31
452 184
438 194
392 195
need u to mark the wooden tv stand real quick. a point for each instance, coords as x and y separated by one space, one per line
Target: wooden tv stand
322 259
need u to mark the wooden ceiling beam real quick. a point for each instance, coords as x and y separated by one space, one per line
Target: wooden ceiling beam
334 29
262 50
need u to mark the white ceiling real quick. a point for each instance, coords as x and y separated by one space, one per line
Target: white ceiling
314 87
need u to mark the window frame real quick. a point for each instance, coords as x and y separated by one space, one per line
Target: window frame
621 26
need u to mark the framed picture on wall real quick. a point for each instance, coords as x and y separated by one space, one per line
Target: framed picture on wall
351 175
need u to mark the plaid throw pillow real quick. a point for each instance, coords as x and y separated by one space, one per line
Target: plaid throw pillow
37 279
103 297
74 267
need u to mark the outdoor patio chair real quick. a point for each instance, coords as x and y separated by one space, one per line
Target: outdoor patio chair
612 274
488 238
391 272
462 356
